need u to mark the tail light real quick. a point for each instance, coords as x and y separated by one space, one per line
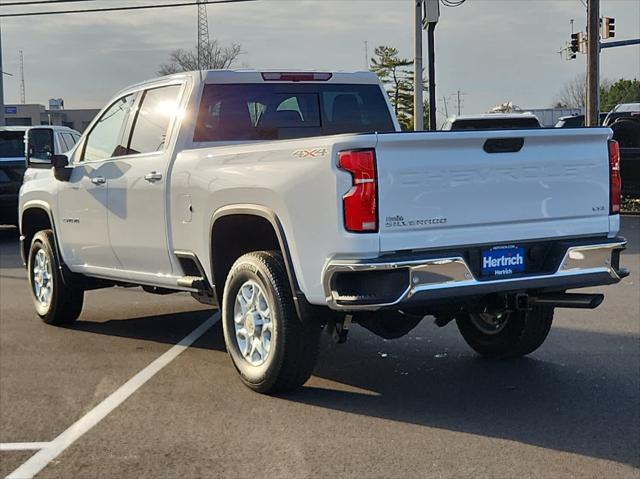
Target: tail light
615 181
360 204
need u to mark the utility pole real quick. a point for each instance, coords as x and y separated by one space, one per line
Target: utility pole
204 45
432 15
446 110
23 93
459 109
593 63
432 75
2 119
418 87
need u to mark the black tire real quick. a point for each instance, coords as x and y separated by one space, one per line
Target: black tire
293 345
64 302
522 333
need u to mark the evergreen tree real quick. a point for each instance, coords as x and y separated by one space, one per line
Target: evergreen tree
397 77
622 91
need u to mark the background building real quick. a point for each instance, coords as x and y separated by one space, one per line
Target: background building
56 114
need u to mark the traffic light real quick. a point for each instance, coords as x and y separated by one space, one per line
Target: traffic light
576 42
609 27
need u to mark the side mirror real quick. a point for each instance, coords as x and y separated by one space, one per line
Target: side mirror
40 147
41 153
60 165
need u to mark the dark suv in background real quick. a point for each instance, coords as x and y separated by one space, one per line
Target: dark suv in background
12 163
624 120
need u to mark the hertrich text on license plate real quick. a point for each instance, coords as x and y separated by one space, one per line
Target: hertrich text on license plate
503 260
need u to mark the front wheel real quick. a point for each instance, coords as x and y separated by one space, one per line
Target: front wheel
506 335
55 302
272 349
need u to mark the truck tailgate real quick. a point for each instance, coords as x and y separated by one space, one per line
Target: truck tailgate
443 188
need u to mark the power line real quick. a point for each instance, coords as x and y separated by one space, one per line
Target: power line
116 9
40 2
43 2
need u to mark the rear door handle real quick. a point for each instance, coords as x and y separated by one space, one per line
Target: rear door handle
153 177
98 180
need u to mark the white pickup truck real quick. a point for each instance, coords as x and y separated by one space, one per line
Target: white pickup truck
293 202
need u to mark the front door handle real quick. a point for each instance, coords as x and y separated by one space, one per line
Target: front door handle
153 177
98 180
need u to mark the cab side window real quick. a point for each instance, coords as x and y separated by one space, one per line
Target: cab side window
67 142
108 137
70 139
157 109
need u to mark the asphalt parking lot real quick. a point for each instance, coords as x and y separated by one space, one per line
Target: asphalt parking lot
421 406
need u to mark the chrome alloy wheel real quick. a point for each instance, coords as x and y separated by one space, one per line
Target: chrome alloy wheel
253 325
490 323
42 278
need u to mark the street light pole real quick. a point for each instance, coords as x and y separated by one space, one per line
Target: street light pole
593 63
418 87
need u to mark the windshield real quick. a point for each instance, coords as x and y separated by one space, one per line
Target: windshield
283 111
11 144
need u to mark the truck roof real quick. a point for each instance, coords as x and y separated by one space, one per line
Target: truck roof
25 128
258 76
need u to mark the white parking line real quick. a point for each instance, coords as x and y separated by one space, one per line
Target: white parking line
42 458
22 446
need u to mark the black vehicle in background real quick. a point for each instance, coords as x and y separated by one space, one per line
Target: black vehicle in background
13 163
12 167
624 120
575 121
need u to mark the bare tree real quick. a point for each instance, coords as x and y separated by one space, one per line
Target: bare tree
217 58
574 92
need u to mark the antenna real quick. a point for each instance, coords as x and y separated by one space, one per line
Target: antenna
204 45
366 55
23 99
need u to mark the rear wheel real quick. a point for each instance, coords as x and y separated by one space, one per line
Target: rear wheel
506 335
55 302
270 347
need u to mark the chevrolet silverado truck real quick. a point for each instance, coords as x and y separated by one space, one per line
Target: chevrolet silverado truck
293 203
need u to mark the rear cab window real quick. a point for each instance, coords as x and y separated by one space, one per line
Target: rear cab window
247 112
495 124
67 141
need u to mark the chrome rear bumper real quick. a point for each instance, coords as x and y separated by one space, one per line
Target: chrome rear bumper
451 277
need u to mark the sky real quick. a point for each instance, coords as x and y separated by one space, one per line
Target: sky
493 51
